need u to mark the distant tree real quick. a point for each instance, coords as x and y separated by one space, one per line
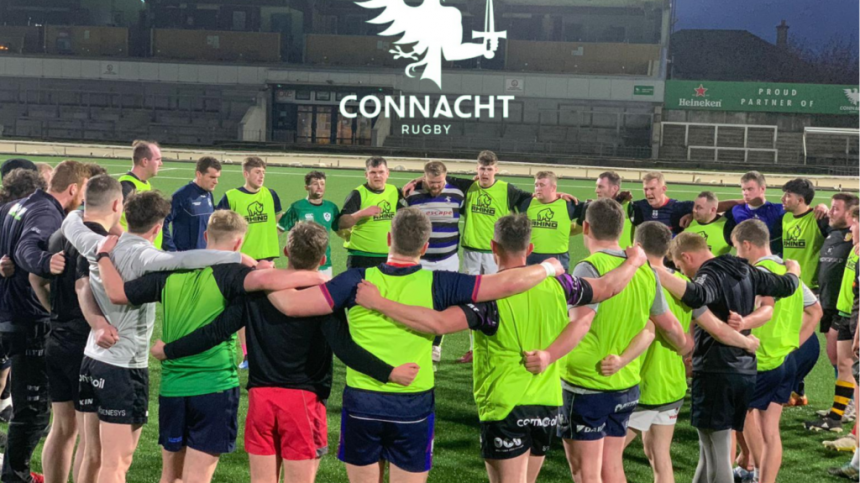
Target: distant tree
835 62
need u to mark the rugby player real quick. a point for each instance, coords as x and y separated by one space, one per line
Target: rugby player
382 421
316 209
518 411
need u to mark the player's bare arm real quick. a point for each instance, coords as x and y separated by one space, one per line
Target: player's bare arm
613 282
274 279
105 334
42 289
514 281
301 303
672 331
614 363
725 334
580 323
421 319
811 316
760 316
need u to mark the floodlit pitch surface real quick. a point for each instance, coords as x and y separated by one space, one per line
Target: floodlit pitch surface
457 455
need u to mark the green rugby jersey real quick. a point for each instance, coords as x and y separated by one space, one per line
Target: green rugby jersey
261 210
190 300
139 187
802 238
664 376
617 321
781 334
369 236
714 232
527 321
845 302
325 214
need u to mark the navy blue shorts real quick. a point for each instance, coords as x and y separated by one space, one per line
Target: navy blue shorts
774 386
207 423
720 401
591 417
397 428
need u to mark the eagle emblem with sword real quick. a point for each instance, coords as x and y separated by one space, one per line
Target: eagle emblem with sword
434 31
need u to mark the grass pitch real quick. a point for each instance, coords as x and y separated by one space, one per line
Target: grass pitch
457 455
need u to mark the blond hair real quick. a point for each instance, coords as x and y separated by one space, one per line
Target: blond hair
687 242
224 224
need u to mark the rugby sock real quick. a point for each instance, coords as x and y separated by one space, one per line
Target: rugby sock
855 461
841 397
5 403
244 350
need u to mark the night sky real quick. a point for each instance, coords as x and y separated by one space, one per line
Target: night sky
817 21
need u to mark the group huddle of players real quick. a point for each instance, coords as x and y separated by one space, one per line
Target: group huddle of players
595 356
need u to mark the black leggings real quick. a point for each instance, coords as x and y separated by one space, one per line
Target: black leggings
31 409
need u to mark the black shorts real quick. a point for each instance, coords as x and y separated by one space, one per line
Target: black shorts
361 261
720 401
774 386
119 395
596 415
64 352
828 318
207 423
526 428
844 328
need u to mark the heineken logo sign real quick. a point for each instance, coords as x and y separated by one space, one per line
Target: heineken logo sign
762 96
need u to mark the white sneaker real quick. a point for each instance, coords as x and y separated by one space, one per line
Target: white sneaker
437 353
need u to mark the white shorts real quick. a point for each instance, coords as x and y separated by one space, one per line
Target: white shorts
478 263
327 272
642 420
450 264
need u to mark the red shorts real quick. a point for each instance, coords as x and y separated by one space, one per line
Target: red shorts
289 420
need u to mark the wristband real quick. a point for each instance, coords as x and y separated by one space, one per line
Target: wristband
550 270
101 255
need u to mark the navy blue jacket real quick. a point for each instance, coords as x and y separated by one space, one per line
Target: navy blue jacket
188 218
27 225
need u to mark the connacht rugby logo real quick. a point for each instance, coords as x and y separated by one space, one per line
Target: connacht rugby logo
435 31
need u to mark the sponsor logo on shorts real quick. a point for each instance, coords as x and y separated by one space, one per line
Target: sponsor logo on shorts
538 422
580 428
112 412
174 440
85 402
506 443
627 405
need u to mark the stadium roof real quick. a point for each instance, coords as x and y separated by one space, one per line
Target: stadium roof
734 55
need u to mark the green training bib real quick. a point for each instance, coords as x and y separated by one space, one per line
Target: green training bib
802 241
527 321
617 322
261 240
483 208
550 226
664 376
139 187
392 342
781 334
370 235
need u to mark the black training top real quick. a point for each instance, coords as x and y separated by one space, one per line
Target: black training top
723 284
286 352
65 309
